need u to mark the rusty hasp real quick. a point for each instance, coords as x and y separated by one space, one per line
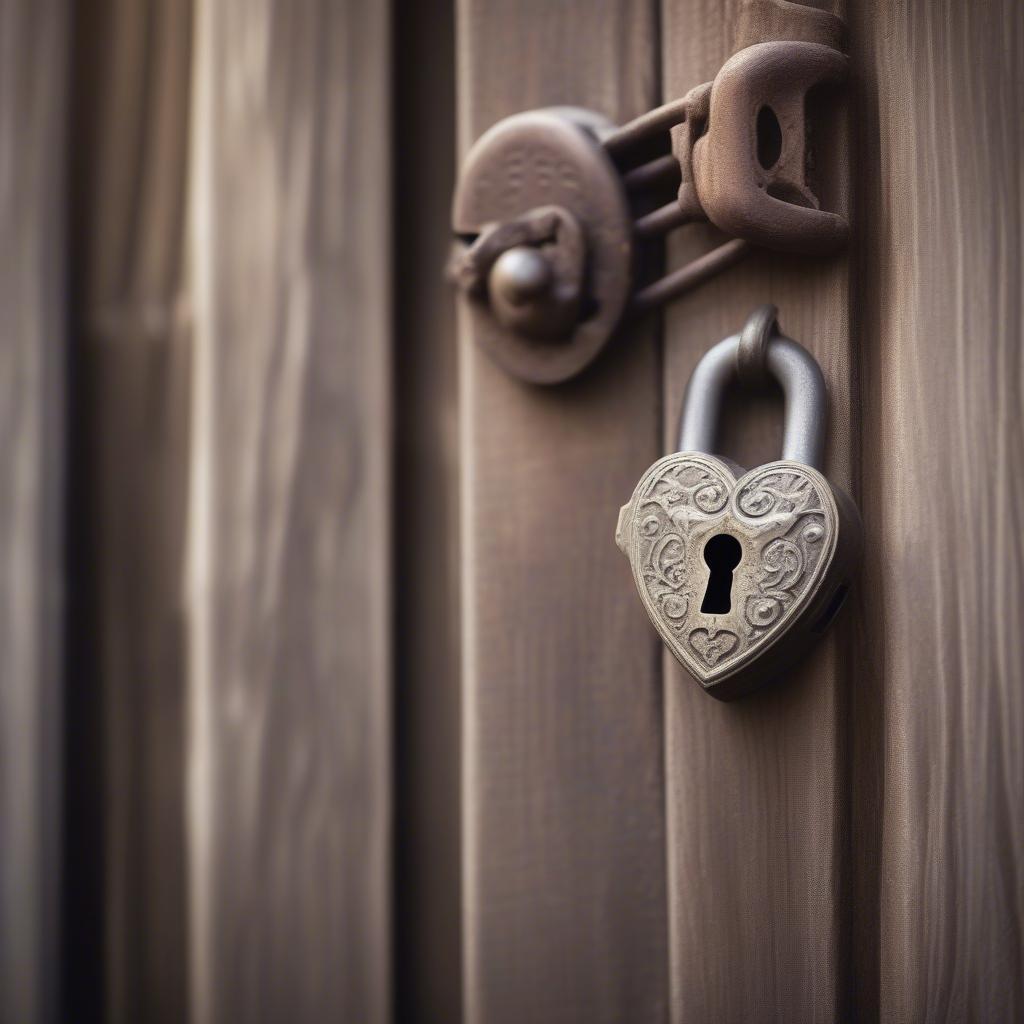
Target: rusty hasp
754 184
556 210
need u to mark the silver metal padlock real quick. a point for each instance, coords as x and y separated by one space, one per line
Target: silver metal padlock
741 571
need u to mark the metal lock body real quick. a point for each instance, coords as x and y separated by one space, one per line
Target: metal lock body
741 571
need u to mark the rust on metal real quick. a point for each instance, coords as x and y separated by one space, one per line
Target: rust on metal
553 206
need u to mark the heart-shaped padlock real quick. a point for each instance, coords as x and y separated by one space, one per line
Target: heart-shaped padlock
740 572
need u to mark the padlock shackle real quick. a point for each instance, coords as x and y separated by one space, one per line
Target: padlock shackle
803 386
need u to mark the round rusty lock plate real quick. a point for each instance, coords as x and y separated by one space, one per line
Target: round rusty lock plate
541 158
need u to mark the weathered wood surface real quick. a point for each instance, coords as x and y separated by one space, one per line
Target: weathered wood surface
939 754
756 788
130 332
32 300
289 547
564 877
846 846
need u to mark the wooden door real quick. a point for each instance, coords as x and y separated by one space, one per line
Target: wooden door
846 845
325 694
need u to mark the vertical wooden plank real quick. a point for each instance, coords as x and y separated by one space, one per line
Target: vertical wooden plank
32 296
289 568
564 888
940 752
756 789
130 320
428 948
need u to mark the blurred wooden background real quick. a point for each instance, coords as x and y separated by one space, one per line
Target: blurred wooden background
323 692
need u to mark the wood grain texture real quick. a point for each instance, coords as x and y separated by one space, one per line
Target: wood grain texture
756 789
130 323
940 719
32 297
564 884
289 567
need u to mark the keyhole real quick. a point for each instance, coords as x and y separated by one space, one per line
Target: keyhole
722 554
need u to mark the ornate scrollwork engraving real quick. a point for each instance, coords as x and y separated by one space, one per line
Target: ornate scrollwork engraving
783 516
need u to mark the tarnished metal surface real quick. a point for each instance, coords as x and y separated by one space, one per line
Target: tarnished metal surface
544 178
551 205
790 364
741 572
750 168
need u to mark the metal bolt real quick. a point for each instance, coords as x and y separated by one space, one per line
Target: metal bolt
521 275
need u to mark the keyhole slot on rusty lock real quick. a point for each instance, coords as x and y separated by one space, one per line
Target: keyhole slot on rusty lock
740 571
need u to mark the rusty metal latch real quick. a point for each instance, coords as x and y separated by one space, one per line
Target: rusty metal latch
557 211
